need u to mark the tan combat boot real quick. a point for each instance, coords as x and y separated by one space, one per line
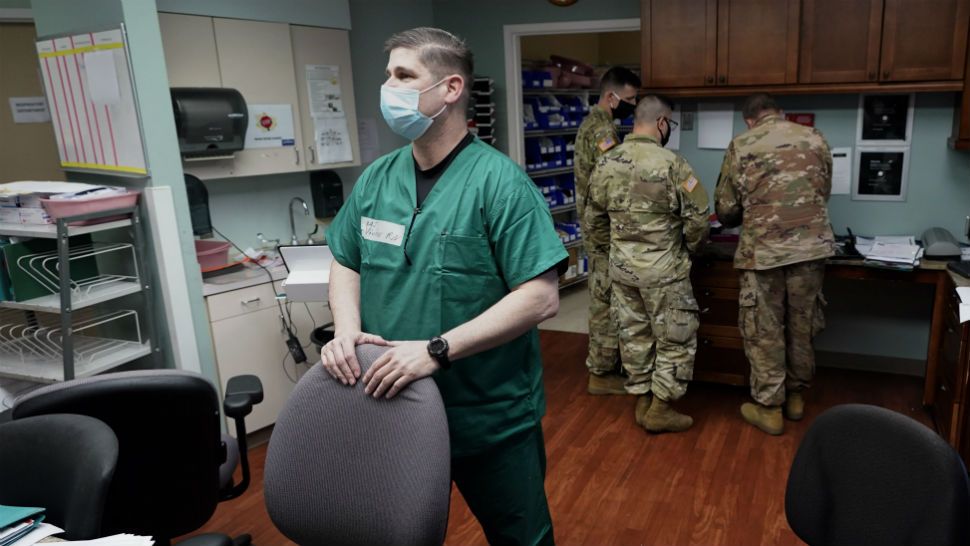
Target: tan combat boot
663 418
643 405
606 384
795 406
767 418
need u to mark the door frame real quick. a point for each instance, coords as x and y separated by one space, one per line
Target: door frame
513 66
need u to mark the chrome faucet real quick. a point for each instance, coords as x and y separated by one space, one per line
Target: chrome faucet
306 212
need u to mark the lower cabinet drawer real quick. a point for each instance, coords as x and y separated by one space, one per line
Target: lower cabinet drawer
721 360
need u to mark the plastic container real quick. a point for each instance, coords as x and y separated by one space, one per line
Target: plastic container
57 208
211 254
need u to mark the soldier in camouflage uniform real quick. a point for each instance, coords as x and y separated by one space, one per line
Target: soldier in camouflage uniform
597 135
775 182
646 213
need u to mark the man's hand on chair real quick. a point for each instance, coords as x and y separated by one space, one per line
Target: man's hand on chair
339 356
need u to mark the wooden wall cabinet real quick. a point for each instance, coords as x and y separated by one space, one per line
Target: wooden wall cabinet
924 39
715 47
719 42
840 41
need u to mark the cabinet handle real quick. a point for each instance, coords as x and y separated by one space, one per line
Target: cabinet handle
707 293
943 387
251 300
885 74
705 341
295 149
313 154
710 80
705 310
722 79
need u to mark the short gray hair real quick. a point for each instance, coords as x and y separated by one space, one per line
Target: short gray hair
440 51
651 108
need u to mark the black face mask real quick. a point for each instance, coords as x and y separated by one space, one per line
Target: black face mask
623 109
664 139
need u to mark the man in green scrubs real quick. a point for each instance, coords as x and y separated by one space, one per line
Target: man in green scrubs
447 250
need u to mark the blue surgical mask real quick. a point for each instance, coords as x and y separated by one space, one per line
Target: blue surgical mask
399 105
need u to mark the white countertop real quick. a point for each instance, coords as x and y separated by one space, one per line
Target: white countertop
250 276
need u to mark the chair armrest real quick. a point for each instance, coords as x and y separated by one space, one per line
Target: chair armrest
242 393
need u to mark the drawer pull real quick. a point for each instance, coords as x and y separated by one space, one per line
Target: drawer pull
705 310
251 300
943 388
705 341
707 293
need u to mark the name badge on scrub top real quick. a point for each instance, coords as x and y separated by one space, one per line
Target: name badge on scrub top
381 231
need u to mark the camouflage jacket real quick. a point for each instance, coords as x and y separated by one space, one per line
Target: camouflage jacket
596 136
775 182
647 211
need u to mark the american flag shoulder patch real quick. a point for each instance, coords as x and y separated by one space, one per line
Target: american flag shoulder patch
606 143
690 184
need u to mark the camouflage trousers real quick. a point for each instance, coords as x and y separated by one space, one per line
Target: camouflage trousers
658 337
781 311
604 352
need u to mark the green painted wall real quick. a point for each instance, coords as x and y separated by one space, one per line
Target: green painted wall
158 125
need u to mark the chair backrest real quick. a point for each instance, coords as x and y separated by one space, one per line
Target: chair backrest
344 468
63 463
867 475
168 430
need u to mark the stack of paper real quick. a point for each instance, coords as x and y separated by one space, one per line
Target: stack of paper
964 293
114 540
18 521
898 252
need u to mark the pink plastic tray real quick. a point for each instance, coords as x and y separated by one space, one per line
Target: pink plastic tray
59 209
211 253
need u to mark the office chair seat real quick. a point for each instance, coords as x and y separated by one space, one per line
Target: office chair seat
864 475
63 463
345 469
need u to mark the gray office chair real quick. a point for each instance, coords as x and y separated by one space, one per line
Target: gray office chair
345 469
865 475
63 463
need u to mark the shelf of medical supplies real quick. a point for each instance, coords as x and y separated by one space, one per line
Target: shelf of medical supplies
573 244
563 208
49 231
101 289
550 132
114 353
557 91
549 172
573 281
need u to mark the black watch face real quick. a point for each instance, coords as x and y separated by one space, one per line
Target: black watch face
438 346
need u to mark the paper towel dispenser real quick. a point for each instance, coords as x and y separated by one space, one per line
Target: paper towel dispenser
210 121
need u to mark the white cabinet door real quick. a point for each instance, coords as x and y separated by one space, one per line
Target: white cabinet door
254 343
324 46
189 42
256 58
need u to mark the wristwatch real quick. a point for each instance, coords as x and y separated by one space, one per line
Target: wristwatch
438 349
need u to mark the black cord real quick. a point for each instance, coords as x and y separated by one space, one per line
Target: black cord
261 266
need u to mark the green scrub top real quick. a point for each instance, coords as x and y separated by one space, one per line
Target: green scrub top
483 229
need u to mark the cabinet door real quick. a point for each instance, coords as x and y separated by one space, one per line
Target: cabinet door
324 46
254 343
678 42
924 39
840 41
757 42
257 59
189 44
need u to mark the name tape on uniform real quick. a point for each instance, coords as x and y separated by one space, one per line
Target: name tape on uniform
381 231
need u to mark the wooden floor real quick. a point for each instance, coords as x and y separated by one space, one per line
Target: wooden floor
609 482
